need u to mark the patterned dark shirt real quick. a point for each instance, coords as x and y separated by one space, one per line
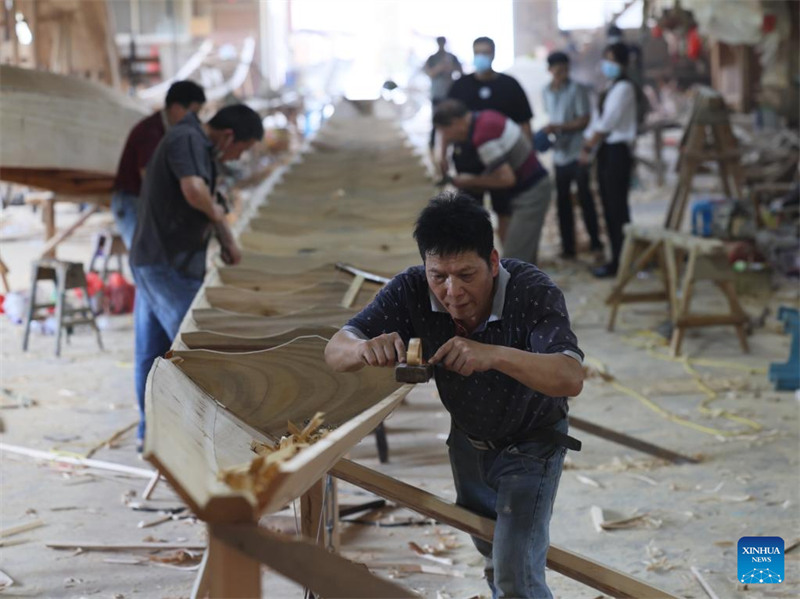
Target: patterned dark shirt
528 313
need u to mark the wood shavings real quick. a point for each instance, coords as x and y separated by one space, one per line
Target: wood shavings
419 568
257 476
179 557
429 552
643 478
605 520
725 498
658 561
628 463
588 481
5 581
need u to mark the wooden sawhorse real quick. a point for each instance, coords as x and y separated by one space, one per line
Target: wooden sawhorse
705 261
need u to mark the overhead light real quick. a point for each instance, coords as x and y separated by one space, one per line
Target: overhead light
24 34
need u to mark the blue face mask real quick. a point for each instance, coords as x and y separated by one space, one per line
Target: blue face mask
482 62
610 69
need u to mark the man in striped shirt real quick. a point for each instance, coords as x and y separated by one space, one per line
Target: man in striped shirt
509 163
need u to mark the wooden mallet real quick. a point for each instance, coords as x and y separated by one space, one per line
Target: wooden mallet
415 370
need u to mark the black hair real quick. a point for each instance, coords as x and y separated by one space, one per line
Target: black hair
613 30
185 93
557 57
484 40
243 120
453 223
447 111
441 40
619 51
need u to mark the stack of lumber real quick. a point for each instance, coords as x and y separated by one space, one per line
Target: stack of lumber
249 357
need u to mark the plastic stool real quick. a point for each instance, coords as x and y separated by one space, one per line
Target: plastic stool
786 377
65 275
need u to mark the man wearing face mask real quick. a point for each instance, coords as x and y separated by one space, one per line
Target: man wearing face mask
177 215
486 89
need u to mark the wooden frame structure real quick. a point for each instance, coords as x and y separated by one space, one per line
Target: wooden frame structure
249 357
705 260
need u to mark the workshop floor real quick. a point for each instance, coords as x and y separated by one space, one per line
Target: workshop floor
690 515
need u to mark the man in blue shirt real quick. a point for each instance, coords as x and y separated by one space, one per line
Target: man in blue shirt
505 361
567 104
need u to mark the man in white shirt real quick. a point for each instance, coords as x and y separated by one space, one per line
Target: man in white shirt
611 135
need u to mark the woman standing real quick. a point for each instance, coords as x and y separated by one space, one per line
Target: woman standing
612 134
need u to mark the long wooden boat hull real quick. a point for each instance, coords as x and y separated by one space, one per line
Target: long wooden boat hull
62 133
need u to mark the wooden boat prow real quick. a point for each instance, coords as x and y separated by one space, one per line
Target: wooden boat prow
193 436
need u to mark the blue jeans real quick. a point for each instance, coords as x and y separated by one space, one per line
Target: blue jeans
516 486
123 207
163 297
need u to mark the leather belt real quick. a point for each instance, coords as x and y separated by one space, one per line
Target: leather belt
546 435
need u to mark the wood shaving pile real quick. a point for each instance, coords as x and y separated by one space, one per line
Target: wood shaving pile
256 476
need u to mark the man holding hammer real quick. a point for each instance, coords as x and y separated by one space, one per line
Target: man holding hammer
504 359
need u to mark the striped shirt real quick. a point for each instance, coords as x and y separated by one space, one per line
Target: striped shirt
499 140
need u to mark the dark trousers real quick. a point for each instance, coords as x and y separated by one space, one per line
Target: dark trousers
565 175
614 179
434 103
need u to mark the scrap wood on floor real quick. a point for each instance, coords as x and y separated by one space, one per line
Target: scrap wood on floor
605 520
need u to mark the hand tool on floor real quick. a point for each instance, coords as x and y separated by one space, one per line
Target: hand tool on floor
415 370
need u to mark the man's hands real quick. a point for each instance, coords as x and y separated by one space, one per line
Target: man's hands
385 350
464 356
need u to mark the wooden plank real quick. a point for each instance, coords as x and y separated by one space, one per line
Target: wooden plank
352 291
232 574
245 301
234 343
356 272
582 569
87 545
63 459
380 262
260 280
231 323
90 187
54 241
322 572
9 531
628 441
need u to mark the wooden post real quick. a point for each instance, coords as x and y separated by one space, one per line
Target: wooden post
49 220
53 240
319 513
228 573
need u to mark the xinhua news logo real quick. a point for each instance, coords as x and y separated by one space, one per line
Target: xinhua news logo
760 560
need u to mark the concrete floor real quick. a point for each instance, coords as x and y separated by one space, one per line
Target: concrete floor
745 485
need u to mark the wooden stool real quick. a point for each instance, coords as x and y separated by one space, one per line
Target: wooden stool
705 261
107 245
65 275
